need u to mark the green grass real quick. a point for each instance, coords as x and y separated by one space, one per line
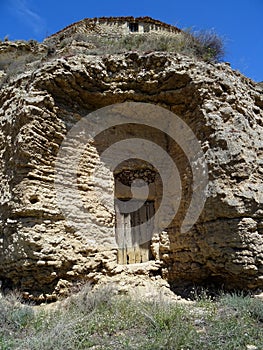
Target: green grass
104 320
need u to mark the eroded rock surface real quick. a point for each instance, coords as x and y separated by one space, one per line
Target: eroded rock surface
41 254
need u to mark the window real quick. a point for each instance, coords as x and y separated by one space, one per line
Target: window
134 27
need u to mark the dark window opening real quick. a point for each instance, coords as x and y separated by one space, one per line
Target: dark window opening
33 199
134 27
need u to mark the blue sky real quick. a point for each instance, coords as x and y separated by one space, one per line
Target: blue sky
239 22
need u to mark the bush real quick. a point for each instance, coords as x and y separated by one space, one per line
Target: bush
209 45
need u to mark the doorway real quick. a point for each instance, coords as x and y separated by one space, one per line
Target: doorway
133 240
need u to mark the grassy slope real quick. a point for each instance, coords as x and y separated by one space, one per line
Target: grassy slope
104 320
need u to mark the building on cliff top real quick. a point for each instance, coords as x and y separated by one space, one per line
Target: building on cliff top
117 26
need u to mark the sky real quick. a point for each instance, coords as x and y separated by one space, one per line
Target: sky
238 22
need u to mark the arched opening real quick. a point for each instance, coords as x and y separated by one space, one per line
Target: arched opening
120 163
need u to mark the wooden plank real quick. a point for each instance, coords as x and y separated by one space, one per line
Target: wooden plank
142 220
131 255
130 244
120 236
145 247
136 236
120 259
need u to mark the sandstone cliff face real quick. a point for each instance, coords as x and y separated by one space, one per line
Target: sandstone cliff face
39 250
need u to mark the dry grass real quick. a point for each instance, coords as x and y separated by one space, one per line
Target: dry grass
204 45
104 320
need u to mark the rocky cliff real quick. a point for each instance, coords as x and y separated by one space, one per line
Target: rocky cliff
41 253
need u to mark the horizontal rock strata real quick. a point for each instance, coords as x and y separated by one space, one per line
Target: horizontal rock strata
40 252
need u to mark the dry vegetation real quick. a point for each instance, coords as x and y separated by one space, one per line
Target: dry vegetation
104 320
206 45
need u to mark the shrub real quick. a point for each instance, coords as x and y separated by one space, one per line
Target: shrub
209 45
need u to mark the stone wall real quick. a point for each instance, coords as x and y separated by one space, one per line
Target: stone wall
113 27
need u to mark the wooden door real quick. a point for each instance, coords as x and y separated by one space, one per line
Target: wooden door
129 234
